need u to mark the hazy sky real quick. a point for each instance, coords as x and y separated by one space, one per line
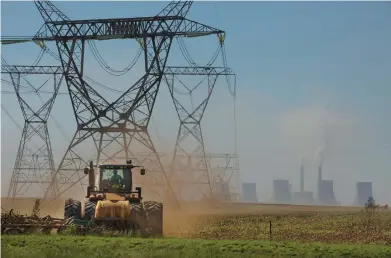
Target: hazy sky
309 75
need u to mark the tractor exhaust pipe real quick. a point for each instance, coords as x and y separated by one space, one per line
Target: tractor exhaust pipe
91 178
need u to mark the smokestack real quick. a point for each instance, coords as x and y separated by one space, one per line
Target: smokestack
320 172
320 181
302 177
320 156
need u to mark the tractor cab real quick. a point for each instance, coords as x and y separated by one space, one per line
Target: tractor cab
112 178
116 178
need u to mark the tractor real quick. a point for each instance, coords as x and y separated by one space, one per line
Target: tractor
112 202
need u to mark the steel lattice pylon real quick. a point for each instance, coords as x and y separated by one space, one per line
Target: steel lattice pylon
193 174
34 163
225 174
120 127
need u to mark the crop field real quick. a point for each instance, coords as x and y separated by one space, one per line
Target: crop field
230 230
338 225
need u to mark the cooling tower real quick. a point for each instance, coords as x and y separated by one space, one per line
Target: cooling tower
281 191
249 192
326 193
363 192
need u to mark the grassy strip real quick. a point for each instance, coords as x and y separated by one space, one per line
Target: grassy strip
41 246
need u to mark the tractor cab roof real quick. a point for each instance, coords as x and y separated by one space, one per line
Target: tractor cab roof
128 166
111 166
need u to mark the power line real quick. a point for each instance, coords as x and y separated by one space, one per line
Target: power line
98 57
26 89
6 111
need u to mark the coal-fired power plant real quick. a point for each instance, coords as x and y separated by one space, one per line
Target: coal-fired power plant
281 191
283 194
363 192
249 192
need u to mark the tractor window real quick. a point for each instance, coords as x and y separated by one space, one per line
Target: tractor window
108 174
115 176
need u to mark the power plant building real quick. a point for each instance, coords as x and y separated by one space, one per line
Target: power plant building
282 191
303 198
363 192
249 192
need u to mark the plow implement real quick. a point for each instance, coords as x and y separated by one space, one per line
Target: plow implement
13 223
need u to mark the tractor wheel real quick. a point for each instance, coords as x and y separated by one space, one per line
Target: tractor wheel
89 210
137 215
154 212
72 209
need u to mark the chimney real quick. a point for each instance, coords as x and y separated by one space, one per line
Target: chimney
320 181
320 172
302 178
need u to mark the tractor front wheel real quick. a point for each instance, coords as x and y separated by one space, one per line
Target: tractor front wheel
72 209
89 210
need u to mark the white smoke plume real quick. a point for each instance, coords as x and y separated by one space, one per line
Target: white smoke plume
319 154
302 160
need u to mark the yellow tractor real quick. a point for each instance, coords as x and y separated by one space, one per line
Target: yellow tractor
112 202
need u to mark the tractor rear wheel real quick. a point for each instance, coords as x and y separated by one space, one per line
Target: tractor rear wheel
72 209
137 216
154 212
89 210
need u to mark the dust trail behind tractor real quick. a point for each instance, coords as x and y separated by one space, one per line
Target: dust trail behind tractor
24 206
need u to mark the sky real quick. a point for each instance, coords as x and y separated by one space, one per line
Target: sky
310 76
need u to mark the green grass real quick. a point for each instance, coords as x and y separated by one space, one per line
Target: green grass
42 246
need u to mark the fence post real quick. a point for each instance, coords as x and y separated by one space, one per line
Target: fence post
270 230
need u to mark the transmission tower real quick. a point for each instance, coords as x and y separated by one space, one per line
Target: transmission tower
225 174
194 172
34 163
115 128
